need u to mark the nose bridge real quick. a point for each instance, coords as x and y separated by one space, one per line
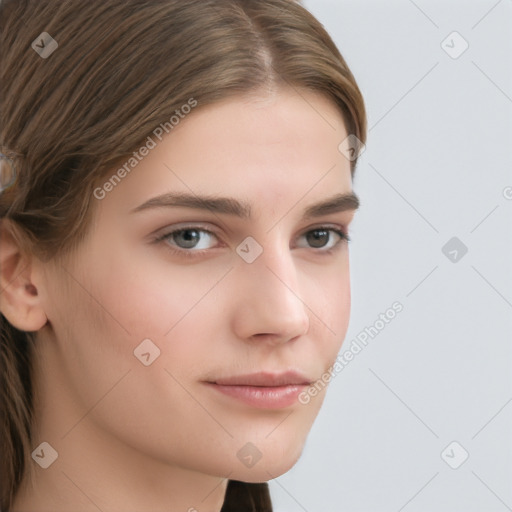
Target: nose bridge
270 303
276 267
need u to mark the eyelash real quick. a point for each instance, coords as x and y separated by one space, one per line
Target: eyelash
196 253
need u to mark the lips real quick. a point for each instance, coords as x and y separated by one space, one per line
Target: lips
264 379
262 390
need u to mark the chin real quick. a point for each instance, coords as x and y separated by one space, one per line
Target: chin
273 463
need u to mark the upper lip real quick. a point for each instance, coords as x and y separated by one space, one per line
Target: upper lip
264 379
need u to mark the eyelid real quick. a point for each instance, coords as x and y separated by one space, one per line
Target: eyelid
342 228
162 233
182 226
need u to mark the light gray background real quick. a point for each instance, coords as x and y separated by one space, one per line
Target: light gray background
437 163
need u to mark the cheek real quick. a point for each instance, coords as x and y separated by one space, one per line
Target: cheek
150 297
337 301
329 298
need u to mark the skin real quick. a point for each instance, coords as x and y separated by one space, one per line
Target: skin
131 437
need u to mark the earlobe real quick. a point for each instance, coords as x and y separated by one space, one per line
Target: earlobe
20 302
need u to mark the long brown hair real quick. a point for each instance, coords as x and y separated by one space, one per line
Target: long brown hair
122 68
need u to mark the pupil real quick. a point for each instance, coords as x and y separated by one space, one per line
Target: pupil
318 238
187 238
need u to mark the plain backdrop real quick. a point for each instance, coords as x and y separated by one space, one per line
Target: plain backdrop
421 419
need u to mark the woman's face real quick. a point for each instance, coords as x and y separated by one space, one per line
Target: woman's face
192 348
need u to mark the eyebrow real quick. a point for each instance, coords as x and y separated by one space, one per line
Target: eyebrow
229 206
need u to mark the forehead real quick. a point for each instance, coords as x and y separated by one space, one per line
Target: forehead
264 149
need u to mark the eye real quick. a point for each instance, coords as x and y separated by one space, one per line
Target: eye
193 241
189 238
322 238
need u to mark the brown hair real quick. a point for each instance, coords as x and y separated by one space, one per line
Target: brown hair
121 68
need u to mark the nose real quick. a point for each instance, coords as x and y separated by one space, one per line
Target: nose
269 307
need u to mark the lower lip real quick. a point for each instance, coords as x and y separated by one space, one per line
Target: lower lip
276 397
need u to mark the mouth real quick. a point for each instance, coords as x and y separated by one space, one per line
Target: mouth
263 390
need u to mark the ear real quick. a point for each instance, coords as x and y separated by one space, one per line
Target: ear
20 302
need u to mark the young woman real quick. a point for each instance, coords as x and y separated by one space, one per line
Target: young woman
174 267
